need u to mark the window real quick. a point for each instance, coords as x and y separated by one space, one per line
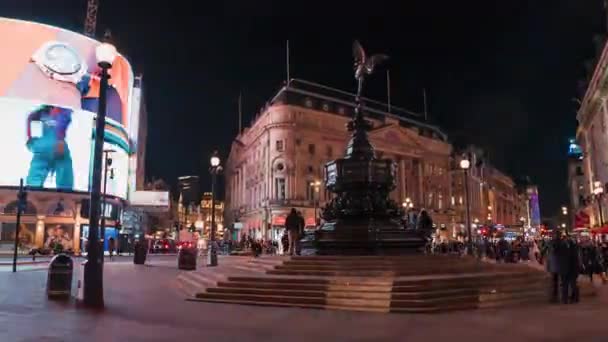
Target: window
325 106
280 167
329 151
310 191
279 145
453 201
311 148
309 169
440 201
308 103
298 141
579 171
279 186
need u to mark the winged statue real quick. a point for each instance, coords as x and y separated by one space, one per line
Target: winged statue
364 65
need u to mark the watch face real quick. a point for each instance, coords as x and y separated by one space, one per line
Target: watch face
62 59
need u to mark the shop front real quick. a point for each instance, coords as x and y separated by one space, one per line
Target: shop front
51 221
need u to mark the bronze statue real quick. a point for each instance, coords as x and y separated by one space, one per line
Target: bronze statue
363 65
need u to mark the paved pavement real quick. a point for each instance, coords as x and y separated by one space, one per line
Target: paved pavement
143 305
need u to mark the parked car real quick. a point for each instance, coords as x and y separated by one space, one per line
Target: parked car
185 244
163 246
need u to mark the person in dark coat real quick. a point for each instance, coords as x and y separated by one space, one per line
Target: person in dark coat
301 225
555 263
591 259
292 224
425 222
574 268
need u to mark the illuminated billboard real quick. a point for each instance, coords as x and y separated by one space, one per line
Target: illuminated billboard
49 89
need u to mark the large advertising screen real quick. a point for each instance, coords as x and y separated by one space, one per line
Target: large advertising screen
49 96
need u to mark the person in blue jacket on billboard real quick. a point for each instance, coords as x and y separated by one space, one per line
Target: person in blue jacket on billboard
51 153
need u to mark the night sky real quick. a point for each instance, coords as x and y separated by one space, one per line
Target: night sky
500 74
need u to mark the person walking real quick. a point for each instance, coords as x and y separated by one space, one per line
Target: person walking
592 260
285 242
301 225
292 224
555 252
574 267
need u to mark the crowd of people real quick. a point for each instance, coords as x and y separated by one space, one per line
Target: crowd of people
565 257
289 244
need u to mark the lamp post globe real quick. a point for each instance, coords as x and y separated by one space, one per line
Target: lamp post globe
465 164
105 54
215 161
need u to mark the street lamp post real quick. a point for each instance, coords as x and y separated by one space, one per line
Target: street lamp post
215 169
316 185
408 206
565 213
464 165
93 278
598 191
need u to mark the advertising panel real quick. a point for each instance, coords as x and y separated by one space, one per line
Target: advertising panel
26 234
49 89
59 237
53 66
158 199
118 170
47 146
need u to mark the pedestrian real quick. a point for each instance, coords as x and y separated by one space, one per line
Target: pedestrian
292 224
555 251
591 259
574 267
301 225
111 246
285 242
425 222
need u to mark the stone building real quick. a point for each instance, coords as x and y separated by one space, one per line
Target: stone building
495 200
592 137
277 162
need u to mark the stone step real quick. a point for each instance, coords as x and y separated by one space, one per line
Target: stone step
296 305
372 273
382 267
305 287
466 300
377 292
411 264
374 257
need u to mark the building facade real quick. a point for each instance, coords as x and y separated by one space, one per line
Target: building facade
494 198
592 136
197 219
576 187
277 163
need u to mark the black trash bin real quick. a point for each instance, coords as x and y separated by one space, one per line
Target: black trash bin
139 253
186 259
59 280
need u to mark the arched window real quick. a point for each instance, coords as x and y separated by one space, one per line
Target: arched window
60 208
11 208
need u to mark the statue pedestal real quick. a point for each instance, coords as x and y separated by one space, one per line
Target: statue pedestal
367 236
